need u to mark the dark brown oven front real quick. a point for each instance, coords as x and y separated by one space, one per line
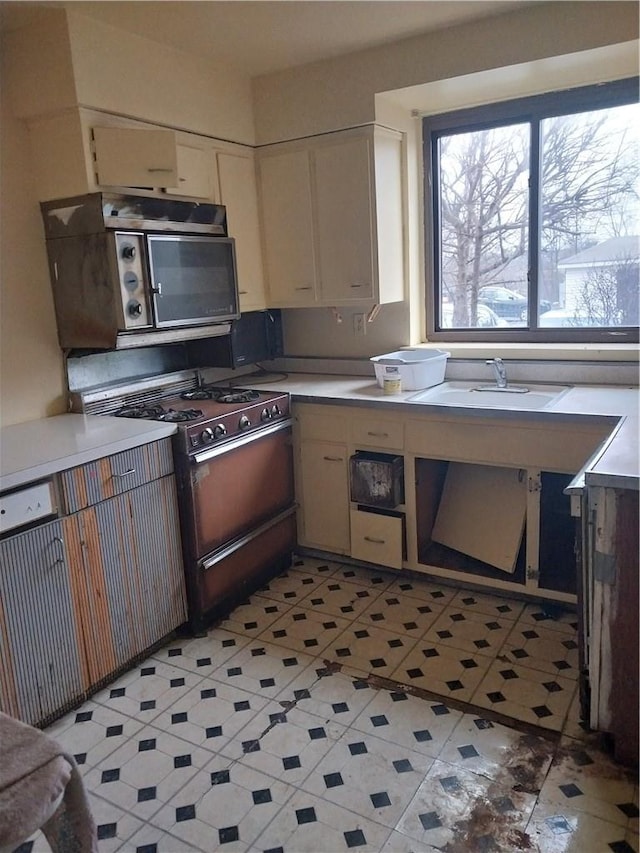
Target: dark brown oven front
238 518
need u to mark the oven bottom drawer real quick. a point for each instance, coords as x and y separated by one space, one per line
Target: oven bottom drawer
238 572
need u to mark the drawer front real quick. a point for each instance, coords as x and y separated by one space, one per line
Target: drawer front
97 481
321 423
545 447
377 432
376 538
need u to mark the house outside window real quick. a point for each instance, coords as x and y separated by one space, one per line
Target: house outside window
532 217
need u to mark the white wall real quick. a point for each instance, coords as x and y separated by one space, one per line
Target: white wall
157 83
32 383
341 92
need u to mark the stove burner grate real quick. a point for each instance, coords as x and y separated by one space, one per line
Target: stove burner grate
221 395
158 413
182 415
143 410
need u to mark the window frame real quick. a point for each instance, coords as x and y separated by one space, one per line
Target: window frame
531 110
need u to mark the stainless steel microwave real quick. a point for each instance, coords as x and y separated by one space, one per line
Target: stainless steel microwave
129 271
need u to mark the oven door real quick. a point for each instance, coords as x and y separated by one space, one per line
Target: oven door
238 486
193 279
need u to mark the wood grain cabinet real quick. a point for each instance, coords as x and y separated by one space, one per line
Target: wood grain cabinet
609 613
83 596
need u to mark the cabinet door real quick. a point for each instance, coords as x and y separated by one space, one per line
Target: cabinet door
238 192
157 559
105 586
126 157
325 495
127 577
345 221
196 173
287 222
40 637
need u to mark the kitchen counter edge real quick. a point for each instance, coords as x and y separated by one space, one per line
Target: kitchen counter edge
615 464
38 449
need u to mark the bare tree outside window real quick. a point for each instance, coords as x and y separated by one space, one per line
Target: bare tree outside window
483 207
569 182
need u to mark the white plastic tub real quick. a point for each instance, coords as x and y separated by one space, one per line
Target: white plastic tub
416 368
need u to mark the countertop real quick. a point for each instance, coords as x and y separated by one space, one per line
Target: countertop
36 449
616 464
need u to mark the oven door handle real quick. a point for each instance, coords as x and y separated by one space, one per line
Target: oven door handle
241 441
212 560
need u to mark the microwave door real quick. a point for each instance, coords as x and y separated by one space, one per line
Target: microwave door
193 279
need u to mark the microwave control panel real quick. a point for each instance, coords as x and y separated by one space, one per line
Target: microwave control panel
133 284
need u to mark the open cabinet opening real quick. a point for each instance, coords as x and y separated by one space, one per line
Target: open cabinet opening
481 507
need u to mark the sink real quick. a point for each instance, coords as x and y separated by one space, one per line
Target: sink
469 394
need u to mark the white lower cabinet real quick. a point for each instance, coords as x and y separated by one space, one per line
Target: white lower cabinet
324 496
483 500
377 538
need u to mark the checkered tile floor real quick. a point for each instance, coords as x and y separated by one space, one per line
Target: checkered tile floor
329 712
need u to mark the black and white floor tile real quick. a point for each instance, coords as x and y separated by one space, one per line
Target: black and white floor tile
342 708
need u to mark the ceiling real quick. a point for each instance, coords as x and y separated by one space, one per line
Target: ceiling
261 36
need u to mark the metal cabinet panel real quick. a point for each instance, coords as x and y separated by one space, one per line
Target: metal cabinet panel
96 481
157 561
40 639
127 575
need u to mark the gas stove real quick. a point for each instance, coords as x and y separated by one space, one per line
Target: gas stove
205 415
222 417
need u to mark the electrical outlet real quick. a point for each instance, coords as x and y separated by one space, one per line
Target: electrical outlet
359 324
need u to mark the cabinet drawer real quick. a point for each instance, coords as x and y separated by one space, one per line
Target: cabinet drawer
376 538
546 446
322 423
96 481
377 432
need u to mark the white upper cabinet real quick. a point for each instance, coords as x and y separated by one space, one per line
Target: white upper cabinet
325 202
135 158
128 157
197 177
345 220
238 192
80 152
287 227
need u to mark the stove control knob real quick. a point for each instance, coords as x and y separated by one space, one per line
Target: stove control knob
207 436
265 415
128 252
134 308
244 423
275 411
219 431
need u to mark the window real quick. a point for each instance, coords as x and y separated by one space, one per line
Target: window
533 218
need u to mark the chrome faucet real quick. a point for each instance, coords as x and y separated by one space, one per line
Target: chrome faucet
500 371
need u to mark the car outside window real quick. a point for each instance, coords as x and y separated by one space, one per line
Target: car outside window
533 212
